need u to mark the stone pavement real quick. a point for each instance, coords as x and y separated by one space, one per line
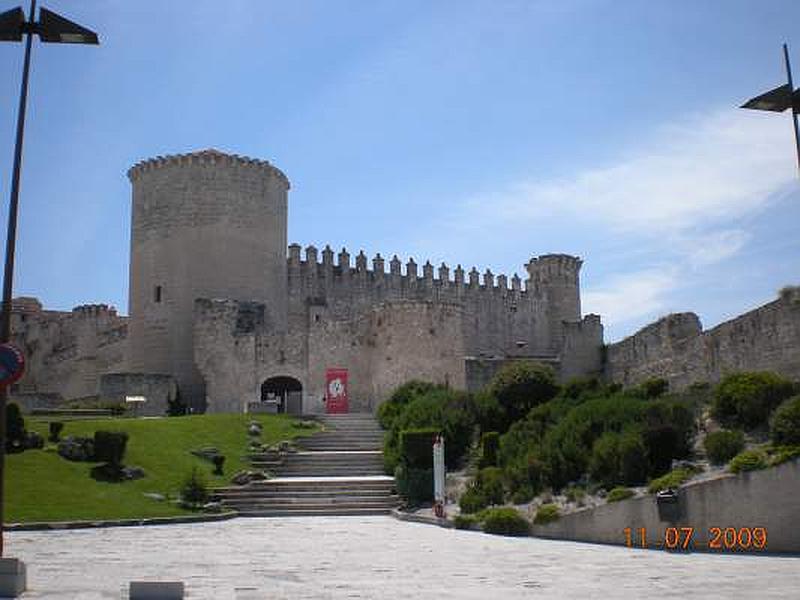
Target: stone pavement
377 557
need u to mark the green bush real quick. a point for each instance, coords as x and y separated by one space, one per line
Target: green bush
490 443
194 491
671 480
416 447
414 484
749 460
619 458
219 461
575 494
521 385
620 493
581 387
785 424
546 513
466 521
55 431
486 412
747 399
650 388
669 426
782 454
505 521
490 482
109 446
389 411
721 446
15 428
472 500
522 495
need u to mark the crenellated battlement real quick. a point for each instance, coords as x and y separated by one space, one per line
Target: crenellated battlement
94 310
304 266
204 158
554 267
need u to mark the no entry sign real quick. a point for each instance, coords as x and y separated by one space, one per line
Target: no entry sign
12 364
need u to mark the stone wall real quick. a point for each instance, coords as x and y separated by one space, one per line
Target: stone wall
677 349
757 499
157 390
66 352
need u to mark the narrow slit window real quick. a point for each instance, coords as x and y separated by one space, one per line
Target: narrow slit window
158 293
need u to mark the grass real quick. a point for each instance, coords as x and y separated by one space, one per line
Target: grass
620 493
42 486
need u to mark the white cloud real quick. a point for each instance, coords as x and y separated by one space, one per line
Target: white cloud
697 172
707 249
626 298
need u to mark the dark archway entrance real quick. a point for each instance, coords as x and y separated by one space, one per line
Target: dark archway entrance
285 393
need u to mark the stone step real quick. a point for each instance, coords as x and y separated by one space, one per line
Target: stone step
330 472
290 493
343 501
328 511
345 483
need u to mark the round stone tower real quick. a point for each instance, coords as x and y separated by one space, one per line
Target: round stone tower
557 278
203 225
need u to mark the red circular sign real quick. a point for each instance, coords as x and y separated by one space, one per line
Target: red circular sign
12 364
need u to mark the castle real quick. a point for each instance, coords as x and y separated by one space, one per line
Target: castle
223 316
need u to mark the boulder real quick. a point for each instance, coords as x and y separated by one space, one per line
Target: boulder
155 496
132 472
206 453
253 430
212 507
76 448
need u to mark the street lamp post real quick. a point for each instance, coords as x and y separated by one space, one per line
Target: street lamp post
51 28
779 99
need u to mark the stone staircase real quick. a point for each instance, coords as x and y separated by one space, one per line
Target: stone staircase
338 471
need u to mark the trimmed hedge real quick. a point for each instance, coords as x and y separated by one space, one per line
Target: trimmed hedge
505 521
416 447
749 460
109 446
414 484
721 446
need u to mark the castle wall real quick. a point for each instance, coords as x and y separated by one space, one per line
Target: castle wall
203 225
676 348
66 352
381 348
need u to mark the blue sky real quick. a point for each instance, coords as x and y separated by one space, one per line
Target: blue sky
479 133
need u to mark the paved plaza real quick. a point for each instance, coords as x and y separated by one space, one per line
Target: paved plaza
377 557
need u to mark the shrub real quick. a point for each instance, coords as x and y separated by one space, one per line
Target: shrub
194 491
580 387
747 399
521 385
472 500
783 454
650 388
416 447
523 495
490 482
33 441
15 428
721 446
465 522
668 431
109 446
525 476
546 513
414 484
671 480
219 461
487 413
490 442
749 460
56 427
785 424
389 411
620 493
575 494
505 521
619 458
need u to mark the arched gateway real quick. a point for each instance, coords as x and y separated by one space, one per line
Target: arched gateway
286 393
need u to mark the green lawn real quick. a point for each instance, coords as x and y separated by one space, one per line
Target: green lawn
42 486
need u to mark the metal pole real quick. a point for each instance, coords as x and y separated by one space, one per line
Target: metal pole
11 240
794 114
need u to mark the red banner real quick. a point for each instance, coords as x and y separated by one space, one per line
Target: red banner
336 391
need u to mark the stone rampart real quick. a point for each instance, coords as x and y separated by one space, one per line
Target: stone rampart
677 349
765 499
